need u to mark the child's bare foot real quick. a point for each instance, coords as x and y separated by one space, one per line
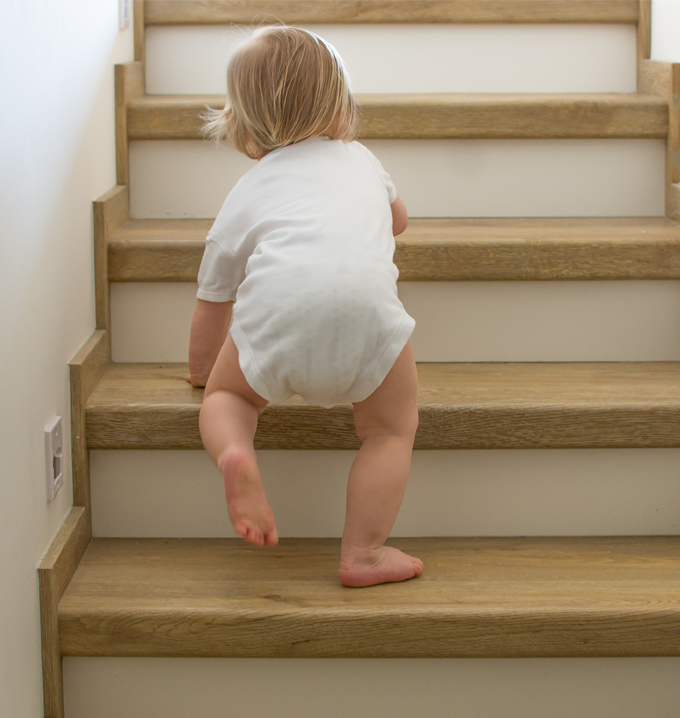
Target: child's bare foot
382 565
246 502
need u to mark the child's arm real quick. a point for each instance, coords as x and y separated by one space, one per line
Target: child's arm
399 216
209 329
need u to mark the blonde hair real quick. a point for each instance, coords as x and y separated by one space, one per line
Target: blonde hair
284 85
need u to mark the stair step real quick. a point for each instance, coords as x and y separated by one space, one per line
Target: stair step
219 12
443 116
484 597
444 249
462 406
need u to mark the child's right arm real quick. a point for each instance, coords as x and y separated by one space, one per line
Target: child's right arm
209 329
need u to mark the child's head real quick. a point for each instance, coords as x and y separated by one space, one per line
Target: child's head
284 85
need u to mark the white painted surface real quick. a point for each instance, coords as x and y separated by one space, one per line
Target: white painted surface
420 58
450 493
666 30
372 688
435 178
455 321
544 321
57 149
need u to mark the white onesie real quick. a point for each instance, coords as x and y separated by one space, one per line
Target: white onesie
304 245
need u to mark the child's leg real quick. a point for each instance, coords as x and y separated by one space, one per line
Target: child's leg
228 421
386 423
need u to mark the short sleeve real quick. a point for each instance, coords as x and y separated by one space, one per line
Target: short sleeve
227 249
219 276
384 176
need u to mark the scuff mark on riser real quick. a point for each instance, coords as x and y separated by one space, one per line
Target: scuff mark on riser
420 58
435 178
456 321
368 688
450 493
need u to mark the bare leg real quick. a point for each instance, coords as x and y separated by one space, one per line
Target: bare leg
228 421
386 423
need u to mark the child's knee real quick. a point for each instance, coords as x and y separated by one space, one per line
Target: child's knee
403 424
411 421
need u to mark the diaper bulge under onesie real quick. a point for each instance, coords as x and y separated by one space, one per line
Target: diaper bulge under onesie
327 332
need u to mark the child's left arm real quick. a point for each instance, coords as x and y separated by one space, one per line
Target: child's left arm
209 329
399 216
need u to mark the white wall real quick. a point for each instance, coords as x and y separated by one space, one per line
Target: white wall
57 149
666 30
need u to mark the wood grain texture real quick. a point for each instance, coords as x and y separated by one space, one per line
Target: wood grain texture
111 211
644 31
462 406
443 116
55 573
663 80
67 549
158 250
139 30
218 12
86 370
486 597
52 674
129 83
673 203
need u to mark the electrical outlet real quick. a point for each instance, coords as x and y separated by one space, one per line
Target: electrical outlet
54 457
123 14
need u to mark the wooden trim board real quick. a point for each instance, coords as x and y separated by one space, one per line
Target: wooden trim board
86 369
644 32
462 406
139 30
442 116
111 211
129 83
663 80
220 12
157 250
673 203
477 597
54 574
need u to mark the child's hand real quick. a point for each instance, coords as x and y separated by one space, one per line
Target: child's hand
199 382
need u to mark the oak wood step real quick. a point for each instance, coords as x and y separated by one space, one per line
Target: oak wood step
160 250
442 116
218 12
486 597
462 406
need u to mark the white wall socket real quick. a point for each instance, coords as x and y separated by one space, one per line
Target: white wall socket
123 14
54 457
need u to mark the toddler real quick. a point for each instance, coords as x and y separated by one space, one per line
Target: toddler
301 255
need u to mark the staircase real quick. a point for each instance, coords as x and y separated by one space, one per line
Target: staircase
536 148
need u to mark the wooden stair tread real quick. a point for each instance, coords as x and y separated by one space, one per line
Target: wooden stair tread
502 597
217 12
462 406
432 116
170 250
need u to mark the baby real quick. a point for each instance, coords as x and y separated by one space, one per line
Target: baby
299 264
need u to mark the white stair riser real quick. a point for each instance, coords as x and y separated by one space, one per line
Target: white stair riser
420 58
455 321
372 688
450 493
435 178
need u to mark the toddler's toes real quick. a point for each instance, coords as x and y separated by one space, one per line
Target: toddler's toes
272 538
